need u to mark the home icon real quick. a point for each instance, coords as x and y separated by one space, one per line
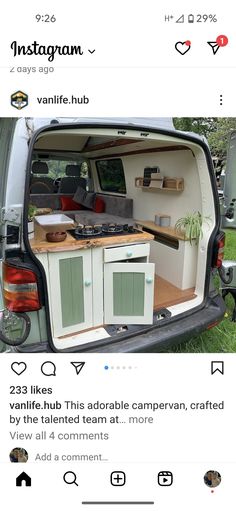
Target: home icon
23 478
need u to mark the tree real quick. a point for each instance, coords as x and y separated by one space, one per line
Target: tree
218 139
215 129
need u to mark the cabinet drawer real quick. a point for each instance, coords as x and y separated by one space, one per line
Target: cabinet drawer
126 252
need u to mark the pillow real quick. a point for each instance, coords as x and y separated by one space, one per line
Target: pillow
87 199
99 205
68 204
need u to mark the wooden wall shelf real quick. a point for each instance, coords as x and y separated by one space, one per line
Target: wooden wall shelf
169 185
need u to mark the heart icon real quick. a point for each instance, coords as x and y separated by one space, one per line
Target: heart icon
183 47
18 367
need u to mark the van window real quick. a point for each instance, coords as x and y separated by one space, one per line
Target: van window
111 175
57 167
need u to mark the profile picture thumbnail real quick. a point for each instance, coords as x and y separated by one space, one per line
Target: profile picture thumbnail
212 478
18 455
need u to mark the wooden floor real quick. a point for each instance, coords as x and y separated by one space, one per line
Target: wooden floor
165 294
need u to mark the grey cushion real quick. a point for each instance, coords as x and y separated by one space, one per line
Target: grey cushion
45 201
87 199
115 205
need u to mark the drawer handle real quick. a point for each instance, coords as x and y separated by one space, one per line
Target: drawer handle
87 283
149 280
129 254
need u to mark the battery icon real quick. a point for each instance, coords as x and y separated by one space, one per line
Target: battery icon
190 18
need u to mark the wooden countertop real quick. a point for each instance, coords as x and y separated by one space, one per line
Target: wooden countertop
39 244
168 231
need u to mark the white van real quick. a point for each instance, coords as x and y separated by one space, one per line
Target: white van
99 265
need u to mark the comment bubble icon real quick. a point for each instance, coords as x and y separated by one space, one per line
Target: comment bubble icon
48 368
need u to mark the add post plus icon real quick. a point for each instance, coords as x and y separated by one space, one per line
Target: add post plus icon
118 478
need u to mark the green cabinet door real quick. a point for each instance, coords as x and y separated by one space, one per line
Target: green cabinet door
129 293
71 290
70 275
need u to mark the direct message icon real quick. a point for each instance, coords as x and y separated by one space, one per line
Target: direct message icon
165 478
78 366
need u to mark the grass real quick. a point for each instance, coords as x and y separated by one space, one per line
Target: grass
222 338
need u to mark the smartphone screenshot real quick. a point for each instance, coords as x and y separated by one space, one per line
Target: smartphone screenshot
118 255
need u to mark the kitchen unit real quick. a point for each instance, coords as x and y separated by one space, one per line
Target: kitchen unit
97 279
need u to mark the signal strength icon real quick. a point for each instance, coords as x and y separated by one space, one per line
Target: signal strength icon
181 19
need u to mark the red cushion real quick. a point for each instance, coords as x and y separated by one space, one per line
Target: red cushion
99 206
68 204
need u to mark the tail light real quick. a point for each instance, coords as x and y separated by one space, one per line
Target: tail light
218 254
20 289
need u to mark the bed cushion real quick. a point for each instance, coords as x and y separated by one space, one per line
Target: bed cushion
68 204
99 205
114 204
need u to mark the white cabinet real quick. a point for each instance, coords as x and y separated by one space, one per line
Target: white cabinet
177 266
85 291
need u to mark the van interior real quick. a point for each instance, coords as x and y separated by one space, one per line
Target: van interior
141 179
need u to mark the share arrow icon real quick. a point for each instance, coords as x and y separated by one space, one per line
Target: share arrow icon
78 366
214 46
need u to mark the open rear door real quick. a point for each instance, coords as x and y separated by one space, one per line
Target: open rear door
229 211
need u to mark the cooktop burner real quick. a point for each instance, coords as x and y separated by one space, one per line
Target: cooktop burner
90 231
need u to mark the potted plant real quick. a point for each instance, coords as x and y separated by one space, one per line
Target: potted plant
32 211
191 226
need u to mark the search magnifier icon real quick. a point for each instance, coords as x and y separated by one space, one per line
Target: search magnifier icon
70 478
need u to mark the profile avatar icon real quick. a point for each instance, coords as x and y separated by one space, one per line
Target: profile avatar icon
18 455
212 478
19 100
